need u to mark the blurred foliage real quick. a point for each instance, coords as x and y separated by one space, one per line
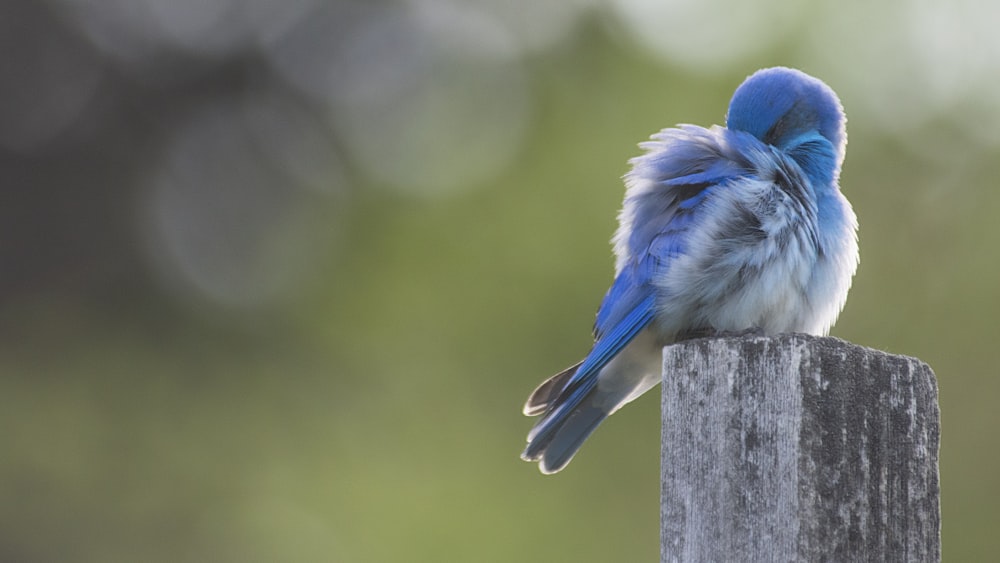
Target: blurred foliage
167 396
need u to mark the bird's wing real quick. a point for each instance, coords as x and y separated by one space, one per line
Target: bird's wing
630 303
627 308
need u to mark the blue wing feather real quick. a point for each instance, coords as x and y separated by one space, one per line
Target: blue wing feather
630 309
604 350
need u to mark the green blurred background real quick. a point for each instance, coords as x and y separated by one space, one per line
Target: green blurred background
276 277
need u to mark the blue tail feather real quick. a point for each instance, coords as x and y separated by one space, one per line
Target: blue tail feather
556 438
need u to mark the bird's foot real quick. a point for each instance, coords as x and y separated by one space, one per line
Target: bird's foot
692 333
752 331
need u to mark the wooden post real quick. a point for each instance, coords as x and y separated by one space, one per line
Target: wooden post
797 448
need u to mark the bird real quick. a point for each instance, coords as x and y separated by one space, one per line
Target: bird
723 230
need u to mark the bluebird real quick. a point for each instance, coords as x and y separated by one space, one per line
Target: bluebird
723 230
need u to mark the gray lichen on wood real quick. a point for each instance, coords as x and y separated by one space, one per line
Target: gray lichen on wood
797 448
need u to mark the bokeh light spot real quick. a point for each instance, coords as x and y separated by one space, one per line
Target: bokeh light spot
224 221
431 99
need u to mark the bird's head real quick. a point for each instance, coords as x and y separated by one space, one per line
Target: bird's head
784 107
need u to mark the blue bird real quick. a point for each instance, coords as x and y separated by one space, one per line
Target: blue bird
727 229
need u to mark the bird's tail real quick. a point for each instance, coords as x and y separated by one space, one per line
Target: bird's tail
555 448
556 438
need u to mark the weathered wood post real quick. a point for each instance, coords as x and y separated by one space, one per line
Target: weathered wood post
797 448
